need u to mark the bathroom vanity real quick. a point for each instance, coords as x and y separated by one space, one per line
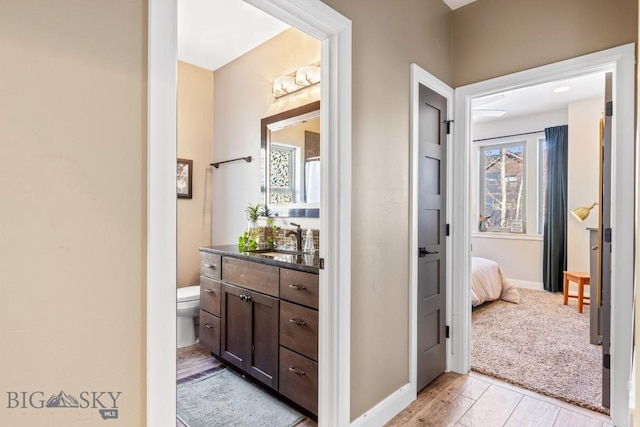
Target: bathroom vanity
259 313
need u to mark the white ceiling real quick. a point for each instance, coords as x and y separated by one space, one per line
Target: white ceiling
212 33
454 4
540 98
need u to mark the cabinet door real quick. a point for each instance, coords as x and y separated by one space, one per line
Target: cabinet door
236 324
264 339
210 332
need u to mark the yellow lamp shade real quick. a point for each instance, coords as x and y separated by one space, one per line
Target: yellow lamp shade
583 212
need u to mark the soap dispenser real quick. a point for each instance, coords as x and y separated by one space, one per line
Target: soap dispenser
309 245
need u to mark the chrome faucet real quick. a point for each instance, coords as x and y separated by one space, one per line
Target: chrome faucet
298 233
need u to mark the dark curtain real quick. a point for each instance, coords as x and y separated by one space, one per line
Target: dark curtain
554 256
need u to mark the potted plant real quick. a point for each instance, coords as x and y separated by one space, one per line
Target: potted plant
250 239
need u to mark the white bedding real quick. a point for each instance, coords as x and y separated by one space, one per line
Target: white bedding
488 283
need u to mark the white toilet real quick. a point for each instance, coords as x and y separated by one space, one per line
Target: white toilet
188 308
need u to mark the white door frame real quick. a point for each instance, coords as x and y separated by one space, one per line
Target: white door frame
420 76
621 61
334 31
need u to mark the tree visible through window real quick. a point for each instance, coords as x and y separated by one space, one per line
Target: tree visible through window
502 186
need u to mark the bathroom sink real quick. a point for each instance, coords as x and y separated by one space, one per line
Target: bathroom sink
273 253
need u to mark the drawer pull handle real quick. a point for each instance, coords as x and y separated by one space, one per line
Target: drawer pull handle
209 291
297 371
211 266
245 297
208 326
297 287
298 322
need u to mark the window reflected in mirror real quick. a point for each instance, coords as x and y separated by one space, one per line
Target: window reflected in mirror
291 163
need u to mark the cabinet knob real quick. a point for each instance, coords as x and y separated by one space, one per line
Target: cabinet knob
594 248
296 371
211 266
298 322
297 287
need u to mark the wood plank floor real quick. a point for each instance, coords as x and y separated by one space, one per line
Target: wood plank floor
195 359
476 400
452 400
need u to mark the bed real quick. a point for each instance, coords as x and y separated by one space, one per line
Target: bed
489 283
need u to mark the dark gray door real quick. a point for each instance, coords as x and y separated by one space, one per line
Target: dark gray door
604 299
432 125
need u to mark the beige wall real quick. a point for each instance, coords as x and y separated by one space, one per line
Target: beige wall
387 38
195 139
73 98
242 98
73 216
492 38
583 177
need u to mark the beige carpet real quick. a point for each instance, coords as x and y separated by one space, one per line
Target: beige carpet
540 345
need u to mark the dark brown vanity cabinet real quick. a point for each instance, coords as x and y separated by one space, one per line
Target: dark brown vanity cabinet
250 312
263 319
210 298
250 333
299 338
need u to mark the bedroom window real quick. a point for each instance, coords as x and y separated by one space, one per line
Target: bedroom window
502 189
542 182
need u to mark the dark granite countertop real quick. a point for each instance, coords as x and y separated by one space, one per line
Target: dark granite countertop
307 262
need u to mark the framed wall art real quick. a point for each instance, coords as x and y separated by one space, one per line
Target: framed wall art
184 178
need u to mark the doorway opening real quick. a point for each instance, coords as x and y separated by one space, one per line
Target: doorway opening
334 32
620 61
521 331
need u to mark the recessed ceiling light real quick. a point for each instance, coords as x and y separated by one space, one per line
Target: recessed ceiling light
562 89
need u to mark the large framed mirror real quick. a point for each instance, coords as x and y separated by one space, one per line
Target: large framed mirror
290 151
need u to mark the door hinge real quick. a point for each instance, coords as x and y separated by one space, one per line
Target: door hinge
607 235
606 361
446 331
448 123
321 262
609 109
447 230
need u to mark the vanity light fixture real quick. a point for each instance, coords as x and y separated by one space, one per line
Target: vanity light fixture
284 85
308 75
304 77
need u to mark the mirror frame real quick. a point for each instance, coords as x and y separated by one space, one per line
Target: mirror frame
290 210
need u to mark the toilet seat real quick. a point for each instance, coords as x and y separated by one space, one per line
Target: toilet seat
188 293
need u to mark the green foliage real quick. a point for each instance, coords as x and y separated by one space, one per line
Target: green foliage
254 212
246 243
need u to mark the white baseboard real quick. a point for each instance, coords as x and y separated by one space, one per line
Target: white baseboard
525 284
384 411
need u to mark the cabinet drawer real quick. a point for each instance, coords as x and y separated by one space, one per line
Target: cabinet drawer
299 379
299 329
210 332
209 265
257 277
299 287
210 295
